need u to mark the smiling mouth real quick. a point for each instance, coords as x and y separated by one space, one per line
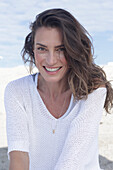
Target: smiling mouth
52 69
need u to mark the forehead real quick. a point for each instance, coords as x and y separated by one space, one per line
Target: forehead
48 34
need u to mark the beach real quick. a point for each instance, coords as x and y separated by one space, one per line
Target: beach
105 129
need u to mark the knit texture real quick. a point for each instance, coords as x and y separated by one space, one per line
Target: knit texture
73 146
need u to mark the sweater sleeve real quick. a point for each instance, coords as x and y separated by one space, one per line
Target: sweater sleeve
16 118
83 130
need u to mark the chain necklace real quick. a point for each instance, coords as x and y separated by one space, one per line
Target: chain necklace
53 129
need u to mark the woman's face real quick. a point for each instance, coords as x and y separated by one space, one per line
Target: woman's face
49 54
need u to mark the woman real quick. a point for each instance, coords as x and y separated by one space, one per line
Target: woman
53 116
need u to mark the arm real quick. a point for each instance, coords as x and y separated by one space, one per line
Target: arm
19 160
17 127
82 132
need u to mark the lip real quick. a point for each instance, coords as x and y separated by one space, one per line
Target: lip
52 72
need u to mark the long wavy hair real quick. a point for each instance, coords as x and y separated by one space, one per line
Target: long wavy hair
84 75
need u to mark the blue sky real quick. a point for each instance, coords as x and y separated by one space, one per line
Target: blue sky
15 17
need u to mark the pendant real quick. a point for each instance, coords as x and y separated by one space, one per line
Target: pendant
53 131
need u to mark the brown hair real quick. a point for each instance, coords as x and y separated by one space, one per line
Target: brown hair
84 75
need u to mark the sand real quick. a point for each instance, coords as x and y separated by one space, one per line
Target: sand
106 126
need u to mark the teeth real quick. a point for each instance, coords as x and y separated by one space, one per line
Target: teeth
52 69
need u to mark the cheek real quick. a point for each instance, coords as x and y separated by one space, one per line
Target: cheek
38 58
64 61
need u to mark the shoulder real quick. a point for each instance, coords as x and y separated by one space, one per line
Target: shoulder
18 85
98 92
96 98
93 104
19 82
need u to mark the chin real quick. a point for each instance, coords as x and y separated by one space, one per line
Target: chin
52 79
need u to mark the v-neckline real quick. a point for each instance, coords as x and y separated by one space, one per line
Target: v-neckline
42 102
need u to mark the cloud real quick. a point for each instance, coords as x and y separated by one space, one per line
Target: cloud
94 15
1 57
110 38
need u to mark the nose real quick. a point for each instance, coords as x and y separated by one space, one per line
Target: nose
51 58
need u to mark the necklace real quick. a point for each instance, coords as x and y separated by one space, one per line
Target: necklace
54 128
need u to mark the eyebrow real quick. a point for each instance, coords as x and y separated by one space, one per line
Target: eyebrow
58 46
41 44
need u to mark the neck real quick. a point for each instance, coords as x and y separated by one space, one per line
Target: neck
53 89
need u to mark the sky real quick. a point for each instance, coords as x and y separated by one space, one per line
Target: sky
16 16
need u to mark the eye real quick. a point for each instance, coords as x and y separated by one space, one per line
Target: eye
60 49
41 49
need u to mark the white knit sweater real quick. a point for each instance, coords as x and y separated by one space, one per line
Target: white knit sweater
73 146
